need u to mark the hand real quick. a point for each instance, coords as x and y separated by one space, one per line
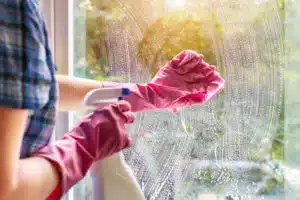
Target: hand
188 78
99 135
184 81
105 129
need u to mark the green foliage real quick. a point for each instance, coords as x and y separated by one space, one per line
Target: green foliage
281 5
275 182
270 185
96 16
277 149
172 33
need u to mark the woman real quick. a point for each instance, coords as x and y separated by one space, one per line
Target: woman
33 168
28 101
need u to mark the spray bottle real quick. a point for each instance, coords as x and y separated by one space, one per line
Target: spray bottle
112 178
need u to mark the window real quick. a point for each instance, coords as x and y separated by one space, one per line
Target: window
245 143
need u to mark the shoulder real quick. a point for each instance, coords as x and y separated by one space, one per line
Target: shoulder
26 66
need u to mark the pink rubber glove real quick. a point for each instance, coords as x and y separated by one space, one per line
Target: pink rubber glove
185 81
99 135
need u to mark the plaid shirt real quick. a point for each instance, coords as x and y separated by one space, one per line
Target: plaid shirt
27 71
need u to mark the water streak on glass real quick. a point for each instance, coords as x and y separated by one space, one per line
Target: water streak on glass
233 147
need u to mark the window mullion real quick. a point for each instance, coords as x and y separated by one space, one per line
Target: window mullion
63 54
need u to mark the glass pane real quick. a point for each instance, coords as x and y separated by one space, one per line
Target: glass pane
242 145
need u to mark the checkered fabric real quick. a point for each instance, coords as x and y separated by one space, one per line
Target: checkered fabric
27 71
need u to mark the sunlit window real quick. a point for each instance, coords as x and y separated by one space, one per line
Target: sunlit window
243 144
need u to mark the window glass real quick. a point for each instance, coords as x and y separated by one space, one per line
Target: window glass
243 144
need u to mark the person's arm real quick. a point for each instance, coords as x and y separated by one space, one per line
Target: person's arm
72 91
184 81
32 178
59 165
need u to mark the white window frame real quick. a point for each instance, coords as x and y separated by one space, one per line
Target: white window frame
59 19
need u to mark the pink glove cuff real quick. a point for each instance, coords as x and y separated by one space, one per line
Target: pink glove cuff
100 134
185 81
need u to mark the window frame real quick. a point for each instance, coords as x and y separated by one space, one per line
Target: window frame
58 15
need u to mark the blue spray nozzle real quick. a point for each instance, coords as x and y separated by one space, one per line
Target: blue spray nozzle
125 92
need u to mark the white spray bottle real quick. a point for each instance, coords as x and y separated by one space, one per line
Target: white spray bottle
112 177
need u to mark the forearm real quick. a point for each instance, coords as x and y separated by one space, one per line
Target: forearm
72 91
36 179
31 178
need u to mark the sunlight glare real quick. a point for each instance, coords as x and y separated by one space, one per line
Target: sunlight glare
175 4
179 2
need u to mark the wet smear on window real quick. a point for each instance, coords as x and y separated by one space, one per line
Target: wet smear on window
231 148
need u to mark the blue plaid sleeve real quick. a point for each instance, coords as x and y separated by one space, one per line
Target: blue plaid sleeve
25 74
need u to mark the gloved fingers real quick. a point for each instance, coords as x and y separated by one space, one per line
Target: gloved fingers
127 143
185 57
124 106
188 100
207 70
193 98
129 117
